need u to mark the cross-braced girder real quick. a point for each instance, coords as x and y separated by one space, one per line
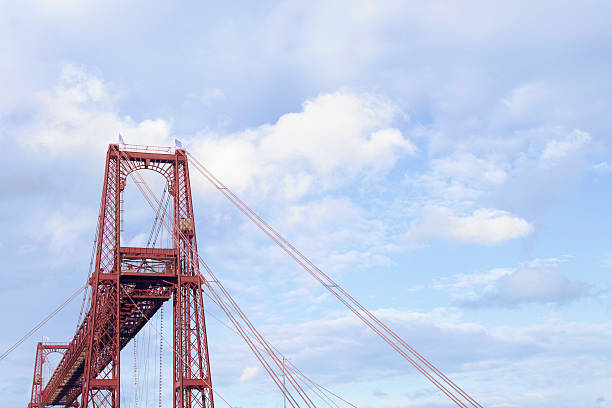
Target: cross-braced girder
128 286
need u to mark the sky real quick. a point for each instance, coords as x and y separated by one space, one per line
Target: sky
449 163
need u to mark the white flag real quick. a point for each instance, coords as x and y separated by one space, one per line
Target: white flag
121 139
178 143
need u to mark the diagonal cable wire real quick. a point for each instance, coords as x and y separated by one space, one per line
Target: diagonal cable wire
41 323
166 341
154 203
231 307
292 366
441 381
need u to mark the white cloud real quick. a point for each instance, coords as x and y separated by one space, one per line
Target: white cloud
337 234
460 176
469 353
205 97
400 51
556 150
462 286
139 240
333 138
65 228
337 231
64 5
248 374
58 235
605 166
483 226
468 167
525 98
530 284
536 281
606 261
78 115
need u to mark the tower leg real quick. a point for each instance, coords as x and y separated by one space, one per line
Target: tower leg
37 379
114 317
101 383
192 381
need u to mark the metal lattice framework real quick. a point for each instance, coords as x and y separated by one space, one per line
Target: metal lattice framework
42 351
128 285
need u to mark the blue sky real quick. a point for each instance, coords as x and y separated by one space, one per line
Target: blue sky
448 162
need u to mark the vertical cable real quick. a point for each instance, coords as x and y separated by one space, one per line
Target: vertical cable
161 349
135 375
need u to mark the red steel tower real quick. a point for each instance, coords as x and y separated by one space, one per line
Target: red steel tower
42 351
128 286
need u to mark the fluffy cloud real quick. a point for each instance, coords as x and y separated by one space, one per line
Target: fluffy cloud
556 150
485 112
469 167
525 98
63 230
459 177
248 374
605 166
468 352
333 138
536 281
465 285
79 114
543 284
483 226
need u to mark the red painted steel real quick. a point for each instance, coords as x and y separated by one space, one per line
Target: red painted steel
42 351
128 286
433 374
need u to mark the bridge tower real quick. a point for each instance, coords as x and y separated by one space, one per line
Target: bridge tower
42 351
128 286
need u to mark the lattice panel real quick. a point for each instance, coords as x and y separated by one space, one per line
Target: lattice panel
189 320
124 298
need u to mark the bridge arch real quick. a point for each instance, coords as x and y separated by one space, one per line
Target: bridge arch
163 167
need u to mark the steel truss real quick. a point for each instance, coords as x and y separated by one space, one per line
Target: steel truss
128 286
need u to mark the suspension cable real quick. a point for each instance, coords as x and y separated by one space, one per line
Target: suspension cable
292 366
249 332
41 323
155 230
391 338
153 235
247 339
166 341
91 266
233 306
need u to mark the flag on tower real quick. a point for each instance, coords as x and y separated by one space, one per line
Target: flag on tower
178 143
121 141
